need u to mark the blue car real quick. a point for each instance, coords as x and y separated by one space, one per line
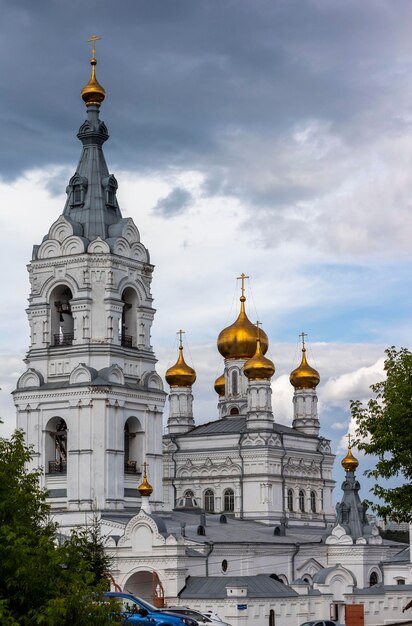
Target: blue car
137 611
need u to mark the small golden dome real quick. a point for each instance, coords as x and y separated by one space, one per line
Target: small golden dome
93 93
258 367
349 463
145 488
304 376
220 385
180 374
238 341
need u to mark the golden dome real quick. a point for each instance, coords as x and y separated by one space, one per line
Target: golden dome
220 385
93 93
180 374
238 341
145 488
304 376
258 367
349 463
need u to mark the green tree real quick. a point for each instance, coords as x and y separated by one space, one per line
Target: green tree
41 582
384 429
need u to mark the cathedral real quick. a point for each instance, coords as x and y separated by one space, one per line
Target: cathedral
234 515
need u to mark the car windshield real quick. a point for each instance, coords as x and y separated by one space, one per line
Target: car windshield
190 613
128 605
149 607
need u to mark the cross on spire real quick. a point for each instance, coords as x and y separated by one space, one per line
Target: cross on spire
349 440
258 325
303 335
180 333
93 40
242 278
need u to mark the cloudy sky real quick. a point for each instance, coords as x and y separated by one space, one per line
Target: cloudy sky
267 137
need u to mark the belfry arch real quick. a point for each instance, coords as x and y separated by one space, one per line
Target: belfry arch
147 585
61 318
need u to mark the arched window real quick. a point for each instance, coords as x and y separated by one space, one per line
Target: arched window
234 411
290 499
209 498
128 330
188 494
373 579
133 446
313 501
56 446
61 318
302 500
229 500
235 383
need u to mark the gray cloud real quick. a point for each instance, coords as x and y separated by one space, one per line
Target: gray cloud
175 203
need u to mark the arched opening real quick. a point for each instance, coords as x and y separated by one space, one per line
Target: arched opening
209 501
271 617
313 501
275 577
61 318
56 446
188 494
224 566
133 446
373 579
229 500
235 383
128 329
302 501
290 499
234 411
146 585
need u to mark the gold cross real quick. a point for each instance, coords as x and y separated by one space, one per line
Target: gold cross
180 333
258 324
145 466
93 40
242 278
303 335
349 441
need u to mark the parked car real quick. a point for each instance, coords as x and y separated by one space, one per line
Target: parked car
203 619
136 611
320 622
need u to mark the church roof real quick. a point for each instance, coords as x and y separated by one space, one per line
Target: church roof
260 586
232 425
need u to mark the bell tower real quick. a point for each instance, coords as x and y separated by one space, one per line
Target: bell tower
90 400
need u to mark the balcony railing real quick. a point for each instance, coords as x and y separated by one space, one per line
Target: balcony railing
57 467
63 339
130 467
126 341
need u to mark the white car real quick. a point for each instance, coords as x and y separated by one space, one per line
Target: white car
203 619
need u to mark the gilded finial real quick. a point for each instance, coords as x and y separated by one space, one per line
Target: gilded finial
242 277
349 463
145 488
180 374
93 93
304 376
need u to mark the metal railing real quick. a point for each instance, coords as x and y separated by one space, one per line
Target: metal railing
130 467
57 467
63 339
126 341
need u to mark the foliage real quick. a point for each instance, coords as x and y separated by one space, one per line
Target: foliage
384 429
395 535
42 582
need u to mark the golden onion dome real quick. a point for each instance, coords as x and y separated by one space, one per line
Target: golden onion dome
304 376
220 385
349 463
180 374
145 488
238 341
258 367
93 93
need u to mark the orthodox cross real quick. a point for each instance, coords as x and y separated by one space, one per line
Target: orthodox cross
258 325
242 278
303 335
145 466
349 441
93 40
180 333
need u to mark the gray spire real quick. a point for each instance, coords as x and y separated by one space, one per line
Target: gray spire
91 193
